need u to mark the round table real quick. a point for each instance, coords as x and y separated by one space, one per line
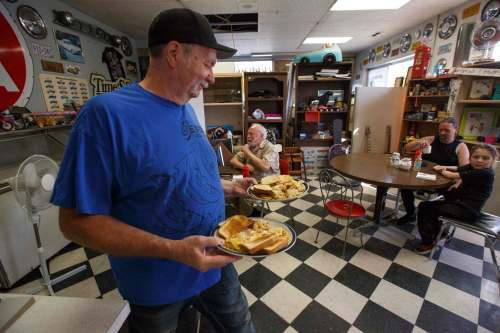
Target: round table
375 169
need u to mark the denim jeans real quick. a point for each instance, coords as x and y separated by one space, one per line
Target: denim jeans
224 304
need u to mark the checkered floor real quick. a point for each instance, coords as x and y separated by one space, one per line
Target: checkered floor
383 287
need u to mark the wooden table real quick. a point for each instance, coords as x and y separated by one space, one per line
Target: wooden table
374 169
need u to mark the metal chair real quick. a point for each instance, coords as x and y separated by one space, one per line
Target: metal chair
339 149
486 225
344 207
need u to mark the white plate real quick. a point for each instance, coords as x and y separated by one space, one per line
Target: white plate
254 197
272 224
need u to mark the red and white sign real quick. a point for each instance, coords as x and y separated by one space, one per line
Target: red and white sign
16 67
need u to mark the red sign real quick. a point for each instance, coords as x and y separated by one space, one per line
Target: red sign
16 67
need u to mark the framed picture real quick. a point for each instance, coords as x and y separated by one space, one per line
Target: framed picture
477 122
408 76
70 46
131 67
481 89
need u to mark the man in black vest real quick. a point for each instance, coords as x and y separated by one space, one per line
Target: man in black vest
446 149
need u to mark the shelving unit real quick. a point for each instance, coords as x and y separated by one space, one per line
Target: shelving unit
224 102
273 88
307 90
436 93
479 101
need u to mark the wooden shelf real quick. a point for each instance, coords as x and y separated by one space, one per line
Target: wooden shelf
224 104
333 112
266 121
491 64
430 96
479 101
264 99
346 63
314 142
326 80
422 121
437 78
473 142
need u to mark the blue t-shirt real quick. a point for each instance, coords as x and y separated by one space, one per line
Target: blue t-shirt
147 162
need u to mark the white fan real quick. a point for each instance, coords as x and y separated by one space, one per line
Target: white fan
33 186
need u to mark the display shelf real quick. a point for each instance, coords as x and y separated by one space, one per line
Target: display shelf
324 112
273 84
224 104
430 96
473 142
437 78
265 121
479 101
491 64
422 121
31 131
264 99
324 80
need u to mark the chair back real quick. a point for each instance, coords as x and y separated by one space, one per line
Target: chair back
329 185
339 149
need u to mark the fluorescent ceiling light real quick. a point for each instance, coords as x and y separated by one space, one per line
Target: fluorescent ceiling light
327 40
261 55
368 4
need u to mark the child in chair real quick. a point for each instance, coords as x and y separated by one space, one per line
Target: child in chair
473 185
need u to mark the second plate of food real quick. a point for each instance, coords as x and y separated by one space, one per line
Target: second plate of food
254 237
278 188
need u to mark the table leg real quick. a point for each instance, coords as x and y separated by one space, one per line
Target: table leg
379 203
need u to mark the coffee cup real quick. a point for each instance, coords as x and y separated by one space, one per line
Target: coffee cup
427 149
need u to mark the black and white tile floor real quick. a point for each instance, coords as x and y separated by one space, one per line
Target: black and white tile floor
383 287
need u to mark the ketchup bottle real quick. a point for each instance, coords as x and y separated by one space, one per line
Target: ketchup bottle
246 170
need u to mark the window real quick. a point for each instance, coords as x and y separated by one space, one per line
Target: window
385 76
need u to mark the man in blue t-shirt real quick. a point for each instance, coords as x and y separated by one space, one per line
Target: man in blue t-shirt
139 181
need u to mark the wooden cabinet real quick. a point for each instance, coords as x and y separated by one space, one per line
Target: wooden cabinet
316 128
224 101
266 91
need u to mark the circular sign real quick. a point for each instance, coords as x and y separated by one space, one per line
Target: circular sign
16 67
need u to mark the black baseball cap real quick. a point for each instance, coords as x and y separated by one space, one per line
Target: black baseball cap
185 26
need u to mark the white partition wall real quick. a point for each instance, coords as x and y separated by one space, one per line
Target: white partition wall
377 108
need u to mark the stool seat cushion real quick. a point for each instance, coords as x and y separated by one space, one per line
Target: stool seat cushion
341 208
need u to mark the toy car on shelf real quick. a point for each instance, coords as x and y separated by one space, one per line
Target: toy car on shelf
326 55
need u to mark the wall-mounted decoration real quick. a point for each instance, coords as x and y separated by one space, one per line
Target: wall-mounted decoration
405 43
378 58
31 22
16 78
73 69
471 10
481 89
417 34
70 46
126 46
477 122
365 61
379 48
66 19
102 85
415 45
447 27
113 60
446 48
372 55
486 35
440 66
394 52
42 51
386 50
51 66
427 32
63 93
491 10
131 67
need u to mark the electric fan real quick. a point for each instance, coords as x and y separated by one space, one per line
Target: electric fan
33 186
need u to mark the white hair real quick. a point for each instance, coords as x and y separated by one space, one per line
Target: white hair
260 128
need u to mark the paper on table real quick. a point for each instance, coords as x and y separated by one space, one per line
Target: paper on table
426 176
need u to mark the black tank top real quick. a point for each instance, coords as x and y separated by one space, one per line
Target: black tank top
443 153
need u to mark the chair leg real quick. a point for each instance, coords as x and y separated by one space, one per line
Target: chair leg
290 214
443 227
494 258
316 239
345 238
262 209
361 196
268 207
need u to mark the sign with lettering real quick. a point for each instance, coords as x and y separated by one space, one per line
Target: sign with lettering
16 67
102 85
43 51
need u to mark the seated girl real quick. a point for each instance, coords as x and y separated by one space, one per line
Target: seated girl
473 185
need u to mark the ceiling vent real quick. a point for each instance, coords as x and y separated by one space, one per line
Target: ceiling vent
220 23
